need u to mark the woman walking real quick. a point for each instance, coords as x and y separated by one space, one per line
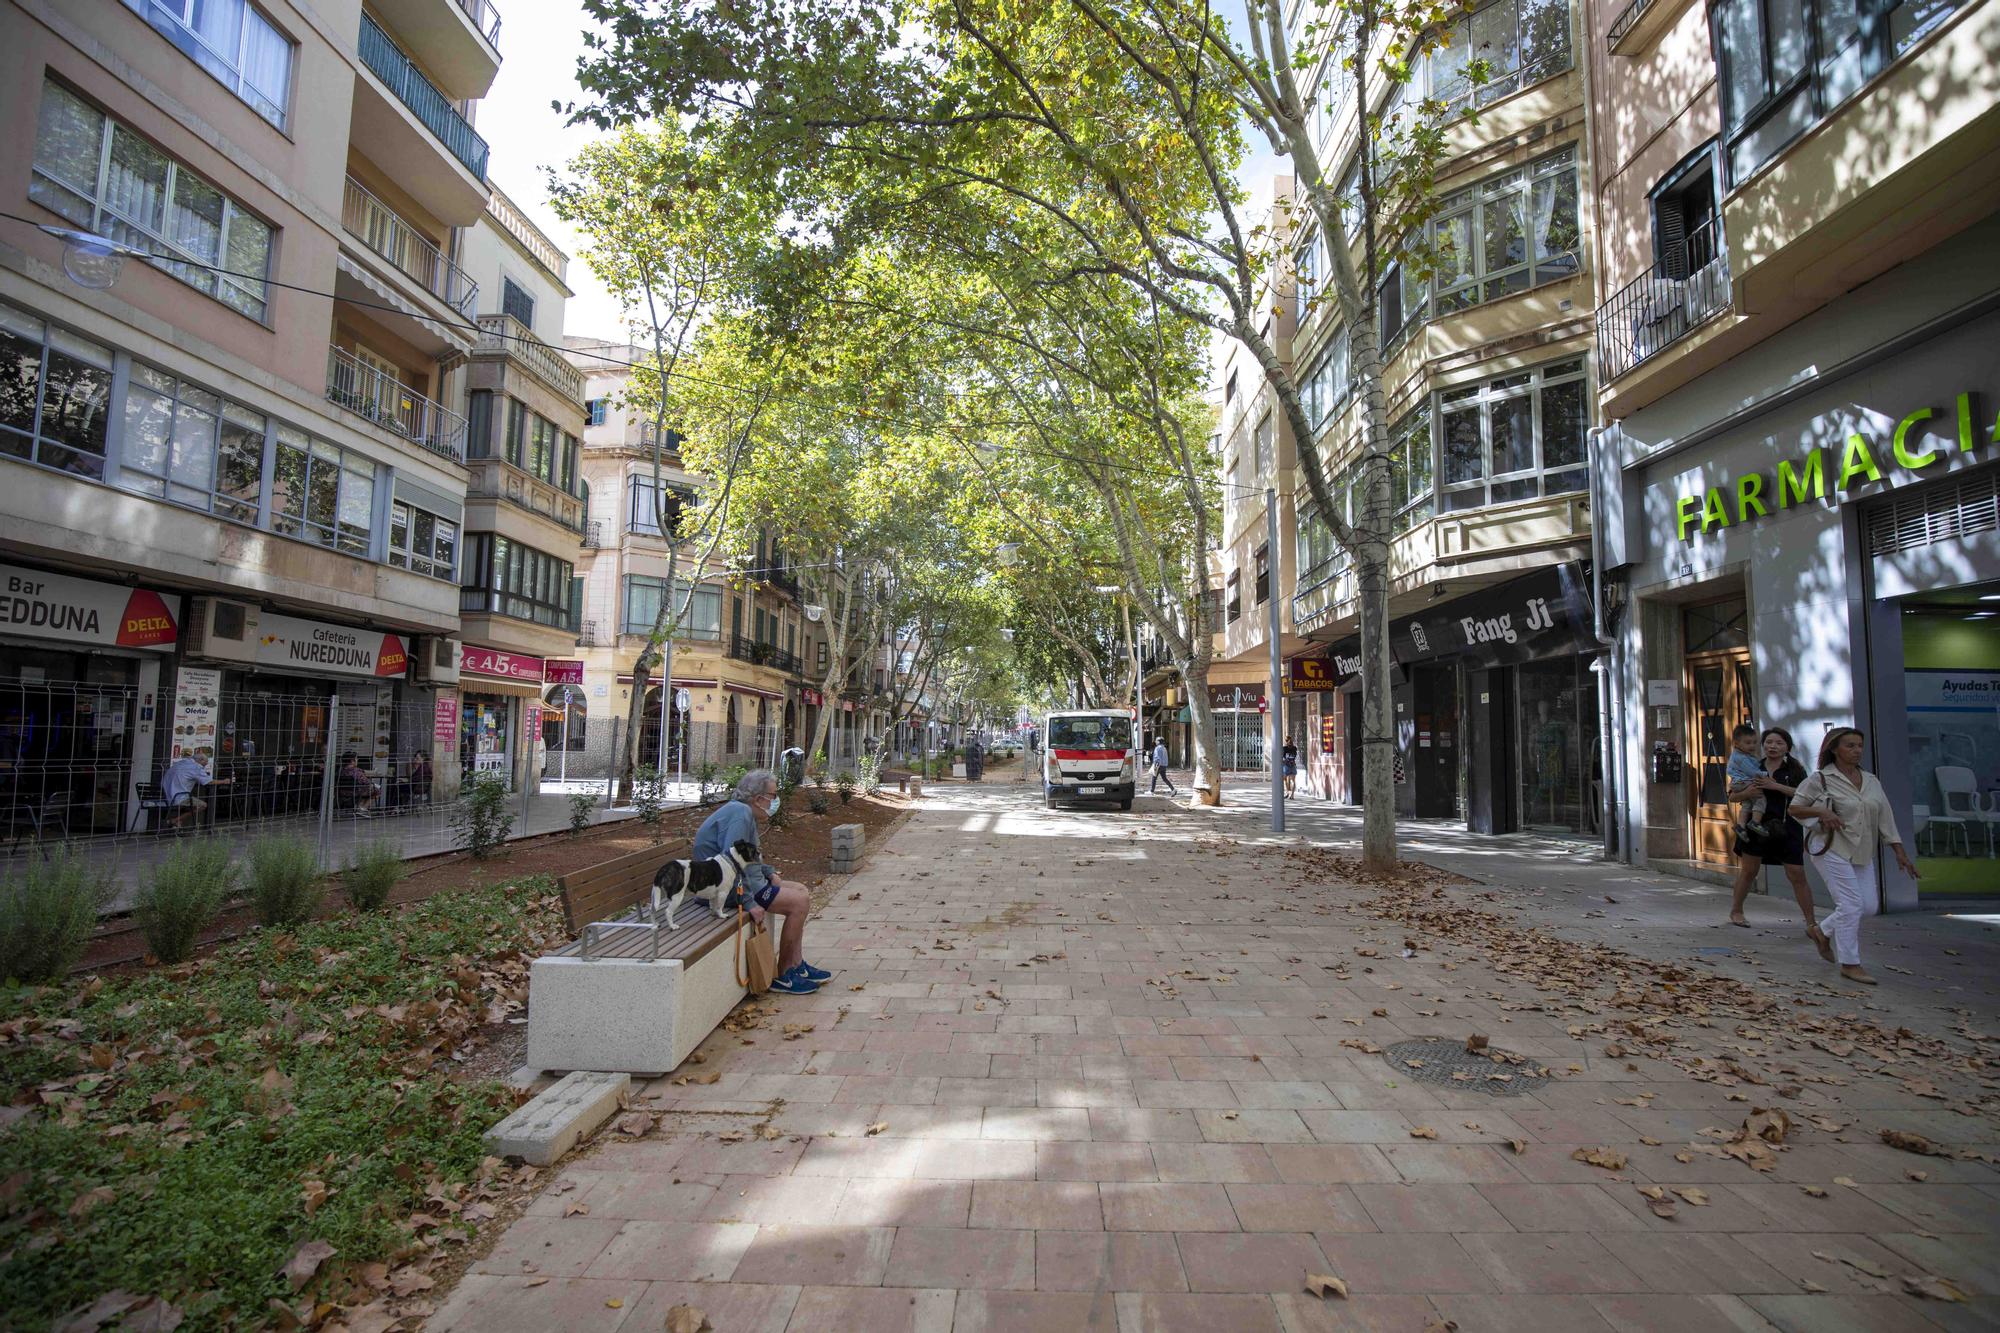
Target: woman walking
1776 838
1854 815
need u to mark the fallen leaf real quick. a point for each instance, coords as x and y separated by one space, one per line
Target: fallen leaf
305 1262
1848 1181
577 1210
1475 1043
1908 1142
634 1123
1423 1132
688 1318
1868 1266
1919 1176
1607 1158
877 1128
1663 1208
614 1303
1319 1284
1932 1289
99 1312
1518 1146
312 1193
1693 1196
1815 1191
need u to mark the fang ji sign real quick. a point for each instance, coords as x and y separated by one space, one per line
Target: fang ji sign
1815 475
84 611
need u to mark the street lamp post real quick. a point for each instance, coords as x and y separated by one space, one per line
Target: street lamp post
1275 752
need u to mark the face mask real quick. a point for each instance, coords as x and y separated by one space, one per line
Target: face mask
774 807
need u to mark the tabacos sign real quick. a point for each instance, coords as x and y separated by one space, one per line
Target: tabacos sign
1815 476
84 611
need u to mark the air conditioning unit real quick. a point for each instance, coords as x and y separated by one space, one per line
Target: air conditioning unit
436 660
222 630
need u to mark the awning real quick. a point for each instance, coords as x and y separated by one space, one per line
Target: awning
753 691
458 337
520 689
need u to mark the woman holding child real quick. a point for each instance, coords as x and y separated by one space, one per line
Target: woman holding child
1761 785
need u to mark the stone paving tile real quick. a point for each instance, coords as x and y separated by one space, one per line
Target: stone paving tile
1035 1123
1034 1312
949 1257
1841 1314
1971 1262
1680 1314
674 1251
1523 1314
1166 1207
1536 1207
1429 1208
1330 1162
1451 1163
818 1256
487 1304
1268 1262
1696 1263
1036 1205
1290 1206
1094 1161
549 1246
875 1309
1115 1261
740 1307
1212 1162
1824 1259
770 1199
1253 1126
904 1203
1144 1126
1391 1263
1202 1312
1550 1263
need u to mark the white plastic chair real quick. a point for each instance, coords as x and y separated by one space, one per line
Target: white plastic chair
1962 805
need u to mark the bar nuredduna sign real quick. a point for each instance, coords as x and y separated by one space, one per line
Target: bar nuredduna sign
84 611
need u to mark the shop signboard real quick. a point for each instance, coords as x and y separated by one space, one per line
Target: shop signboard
445 725
501 665
556 672
197 701
1310 675
320 648
1236 696
1545 614
85 611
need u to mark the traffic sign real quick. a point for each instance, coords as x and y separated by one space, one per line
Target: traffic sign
683 700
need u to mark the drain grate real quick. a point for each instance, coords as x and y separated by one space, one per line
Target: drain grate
1443 1057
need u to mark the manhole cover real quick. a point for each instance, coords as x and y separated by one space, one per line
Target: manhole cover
1443 1057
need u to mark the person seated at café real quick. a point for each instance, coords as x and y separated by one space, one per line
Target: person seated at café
358 790
420 777
182 779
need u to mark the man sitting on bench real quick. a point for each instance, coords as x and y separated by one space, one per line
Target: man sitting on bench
737 820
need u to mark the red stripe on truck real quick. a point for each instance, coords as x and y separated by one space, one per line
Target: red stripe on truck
1071 756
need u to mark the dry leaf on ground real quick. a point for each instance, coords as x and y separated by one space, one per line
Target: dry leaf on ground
1932 1288
1908 1142
1422 1132
688 1319
305 1261
1607 1158
1319 1284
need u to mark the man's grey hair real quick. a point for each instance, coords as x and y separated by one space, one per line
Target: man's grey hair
751 786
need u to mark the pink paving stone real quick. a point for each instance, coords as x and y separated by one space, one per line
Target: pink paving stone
767 1199
1123 1123
1164 1207
1677 1314
1035 1123
1404 1207
1329 1162
1195 1312
986 1159
1550 1262
873 1090
949 1257
1842 1314
985 1091
1217 1162
1269 1126
674 1251
1094 1161
1696 1263
1292 1094
1115 1261
904 1203
818 1256
1358 1313
549 1246
1085 1092
1342 1126
1451 1163
1034 1312
1534 1207
1036 1205
1267 1262
1523 1314
1188 1093
873 1309
1298 1207
707 1156
486 1304
739 1307
1392 1263
859 1157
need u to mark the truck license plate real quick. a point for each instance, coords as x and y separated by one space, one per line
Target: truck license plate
1090 791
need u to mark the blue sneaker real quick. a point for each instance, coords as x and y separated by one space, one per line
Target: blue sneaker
795 982
816 973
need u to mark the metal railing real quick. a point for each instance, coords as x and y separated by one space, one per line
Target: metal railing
394 406
746 649
485 18
504 333
1649 314
381 54
383 231
593 535
1627 17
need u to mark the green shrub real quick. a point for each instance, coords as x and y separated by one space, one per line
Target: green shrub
484 815
283 880
843 782
182 897
787 792
730 777
648 797
816 769
869 770
704 778
818 800
582 808
372 875
47 909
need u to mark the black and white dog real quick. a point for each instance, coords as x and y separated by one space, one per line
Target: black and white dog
713 881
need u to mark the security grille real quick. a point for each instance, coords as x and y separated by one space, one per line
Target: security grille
1963 507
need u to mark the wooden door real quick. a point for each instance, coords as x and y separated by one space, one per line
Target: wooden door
1720 696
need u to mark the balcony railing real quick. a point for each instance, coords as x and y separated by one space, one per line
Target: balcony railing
421 96
394 406
485 18
1626 18
516 223
593 536
505 334
1683 291
378 227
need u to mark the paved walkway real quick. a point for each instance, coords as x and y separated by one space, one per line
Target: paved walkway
1084 1070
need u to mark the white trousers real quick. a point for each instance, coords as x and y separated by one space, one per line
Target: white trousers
1854 896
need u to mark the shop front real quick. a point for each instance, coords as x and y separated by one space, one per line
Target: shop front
1240 711
1829 557
81 666
500 708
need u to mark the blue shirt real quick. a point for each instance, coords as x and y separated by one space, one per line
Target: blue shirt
182 777
732 823
1160 755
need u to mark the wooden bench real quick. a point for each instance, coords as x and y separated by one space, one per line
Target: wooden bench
630 994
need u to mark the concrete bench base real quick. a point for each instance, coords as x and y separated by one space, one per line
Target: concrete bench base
632 1015
541 1131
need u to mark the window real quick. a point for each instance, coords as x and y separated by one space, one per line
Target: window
1235 605
1410 470
1263 587
1320 557
1306 269
1507 234
642 607
185 444
422 542
643 509
506 578
598 408
515 301
1787 64
232 41
55 396
322 493
1325 387
1266 443
1229 389
1687 228
479 409
1513 437
106 179
1522 42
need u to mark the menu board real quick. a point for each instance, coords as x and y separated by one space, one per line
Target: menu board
197 703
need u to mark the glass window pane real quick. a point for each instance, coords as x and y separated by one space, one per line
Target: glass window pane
267 68
193 461
1788 39
1557 237
446 547
194 221
1464 456
135 186
249 246
20 381
288 484
1544 38
1456 254
68 137
322 494
76 399
1739 30
1513 435
1506 225
1564 420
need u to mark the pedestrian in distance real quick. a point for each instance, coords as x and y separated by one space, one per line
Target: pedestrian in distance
1291 754
1160 769
1854 816
1774 836
738 820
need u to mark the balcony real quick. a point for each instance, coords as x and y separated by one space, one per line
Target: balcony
1659 308
393 406
746 649
594 538
503 335
516 224
432 108
458 41
493 478
386 235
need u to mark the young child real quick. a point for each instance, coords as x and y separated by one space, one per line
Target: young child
1745 767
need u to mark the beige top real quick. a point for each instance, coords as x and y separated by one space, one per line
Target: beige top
1864 811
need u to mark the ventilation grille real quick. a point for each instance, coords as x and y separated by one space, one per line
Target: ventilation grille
1963 508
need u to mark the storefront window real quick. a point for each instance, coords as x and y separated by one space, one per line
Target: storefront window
484 734
55 395
1559 790
185 444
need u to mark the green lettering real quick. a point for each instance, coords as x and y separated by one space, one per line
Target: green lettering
1749 501
1965 423
1792 485
1684 514
1713 514
1902 444
1857 461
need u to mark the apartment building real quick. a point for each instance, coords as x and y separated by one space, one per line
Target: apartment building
217 451
1801 498
749 653
525 501
1490 386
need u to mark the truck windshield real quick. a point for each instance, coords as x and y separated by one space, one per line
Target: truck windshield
1090 733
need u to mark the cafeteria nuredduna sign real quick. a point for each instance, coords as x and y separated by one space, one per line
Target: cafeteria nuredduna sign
1755 494
1544 614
